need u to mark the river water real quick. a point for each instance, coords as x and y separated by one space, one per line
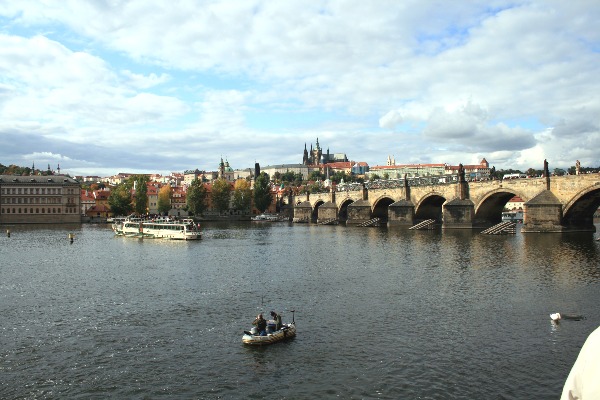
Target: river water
381 313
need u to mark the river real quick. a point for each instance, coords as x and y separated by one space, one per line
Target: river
381 313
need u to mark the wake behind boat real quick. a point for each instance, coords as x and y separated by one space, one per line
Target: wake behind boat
158 229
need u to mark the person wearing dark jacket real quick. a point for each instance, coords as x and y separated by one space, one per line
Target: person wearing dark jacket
261 325
277 318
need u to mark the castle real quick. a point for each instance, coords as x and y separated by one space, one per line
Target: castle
316 157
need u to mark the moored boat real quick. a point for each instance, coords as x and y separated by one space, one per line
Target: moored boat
265 217
163 229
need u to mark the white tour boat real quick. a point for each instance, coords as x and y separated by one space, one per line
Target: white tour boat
158 230
269 218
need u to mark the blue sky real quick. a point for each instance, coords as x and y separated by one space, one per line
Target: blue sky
135 86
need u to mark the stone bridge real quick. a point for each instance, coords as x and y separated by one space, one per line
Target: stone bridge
552 204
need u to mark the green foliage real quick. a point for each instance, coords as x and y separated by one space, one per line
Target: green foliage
141 194
292 177
338 176
559 171
262 194
316 176
15 170
196 197
242 195
120 200
221 195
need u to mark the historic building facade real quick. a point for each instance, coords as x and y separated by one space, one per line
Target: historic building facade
39 199
316 156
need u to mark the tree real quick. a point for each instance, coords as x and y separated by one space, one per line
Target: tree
290 176
221 194
262 193
315 176
242 195
119 200
196 197
141 194
164 199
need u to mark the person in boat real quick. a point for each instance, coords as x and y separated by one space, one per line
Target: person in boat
277 318
261 325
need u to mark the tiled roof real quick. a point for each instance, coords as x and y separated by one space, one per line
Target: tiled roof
37 179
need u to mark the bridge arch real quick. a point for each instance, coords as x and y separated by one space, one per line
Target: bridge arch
430 207
315 209
380 208
579 211
343 210
489 209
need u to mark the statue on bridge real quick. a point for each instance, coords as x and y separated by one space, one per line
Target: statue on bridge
577 167
461 173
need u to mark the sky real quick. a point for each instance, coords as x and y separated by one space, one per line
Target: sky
108 86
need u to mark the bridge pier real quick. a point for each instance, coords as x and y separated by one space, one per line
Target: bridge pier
401 213
542 214
327 211
302 212
458 214
359 212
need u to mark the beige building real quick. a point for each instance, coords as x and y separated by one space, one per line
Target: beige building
410 170
39 199
302 169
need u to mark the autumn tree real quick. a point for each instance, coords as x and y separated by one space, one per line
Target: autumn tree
196 197
119 200
262 193
164 199
221 194
242 195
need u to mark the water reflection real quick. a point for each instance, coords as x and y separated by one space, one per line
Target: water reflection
381 313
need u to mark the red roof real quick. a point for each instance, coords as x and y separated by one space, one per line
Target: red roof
101 194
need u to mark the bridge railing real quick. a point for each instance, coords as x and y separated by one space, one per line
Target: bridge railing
398 183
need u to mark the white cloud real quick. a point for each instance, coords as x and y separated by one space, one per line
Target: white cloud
148 73
140 81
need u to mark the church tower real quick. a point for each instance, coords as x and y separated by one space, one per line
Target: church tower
305 156
221 168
